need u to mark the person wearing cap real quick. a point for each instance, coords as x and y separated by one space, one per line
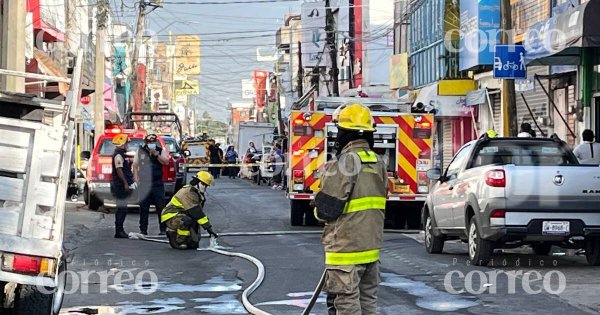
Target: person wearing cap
352 202
148 174
122 182
185 213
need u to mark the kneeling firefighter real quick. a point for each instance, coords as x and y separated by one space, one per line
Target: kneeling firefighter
184 213
352 204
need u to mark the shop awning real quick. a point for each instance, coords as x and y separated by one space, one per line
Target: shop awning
558 41
445 106
48 18
48 66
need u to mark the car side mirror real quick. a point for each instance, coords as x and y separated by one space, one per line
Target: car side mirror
187 153
434 174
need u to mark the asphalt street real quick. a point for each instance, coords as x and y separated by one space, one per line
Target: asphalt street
109 276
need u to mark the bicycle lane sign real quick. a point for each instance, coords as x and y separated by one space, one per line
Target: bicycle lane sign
509 62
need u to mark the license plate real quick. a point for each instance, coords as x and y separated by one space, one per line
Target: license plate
106 169
556 227
402 189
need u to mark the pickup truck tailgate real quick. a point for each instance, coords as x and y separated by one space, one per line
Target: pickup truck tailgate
553 188
29 184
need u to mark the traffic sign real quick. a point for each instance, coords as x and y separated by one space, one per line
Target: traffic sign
509 62
85 100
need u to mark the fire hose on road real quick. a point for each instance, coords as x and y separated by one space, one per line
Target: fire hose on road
214 247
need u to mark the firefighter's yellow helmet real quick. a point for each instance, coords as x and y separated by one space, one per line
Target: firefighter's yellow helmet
205 177
354 117
491 133
119 139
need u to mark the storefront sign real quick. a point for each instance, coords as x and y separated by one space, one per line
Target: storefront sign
526 13
187 55
187 87
445 106
248 91
476 97
399 71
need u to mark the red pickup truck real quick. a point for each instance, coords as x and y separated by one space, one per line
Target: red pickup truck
99 172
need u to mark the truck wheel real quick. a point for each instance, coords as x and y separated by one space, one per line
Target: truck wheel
433 244
59 294
310 215
94 202
480 250
541 249
296 213
86 195
592 251
30 300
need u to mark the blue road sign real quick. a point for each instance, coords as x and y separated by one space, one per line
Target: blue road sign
509 62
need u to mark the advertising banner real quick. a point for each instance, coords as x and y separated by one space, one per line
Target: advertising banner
399 71
248 91
187 55
479 25
260 86
186 87
314 36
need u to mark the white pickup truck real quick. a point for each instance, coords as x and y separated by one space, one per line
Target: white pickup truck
509 192
36 141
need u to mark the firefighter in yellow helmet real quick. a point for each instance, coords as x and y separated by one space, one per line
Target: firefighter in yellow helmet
351 201
185 213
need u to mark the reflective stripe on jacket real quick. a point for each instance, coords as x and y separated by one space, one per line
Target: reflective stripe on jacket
355 237
188 200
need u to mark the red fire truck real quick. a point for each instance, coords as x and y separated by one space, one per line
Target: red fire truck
403 139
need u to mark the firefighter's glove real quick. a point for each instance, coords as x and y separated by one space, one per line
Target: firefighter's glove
211 232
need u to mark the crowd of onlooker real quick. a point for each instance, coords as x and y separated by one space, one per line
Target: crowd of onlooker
272 162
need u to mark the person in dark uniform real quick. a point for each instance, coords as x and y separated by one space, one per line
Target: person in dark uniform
214 159
122 182
148 172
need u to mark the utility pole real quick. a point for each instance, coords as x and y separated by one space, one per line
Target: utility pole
300 70
139 31
102 19
509 99
12 49
330 28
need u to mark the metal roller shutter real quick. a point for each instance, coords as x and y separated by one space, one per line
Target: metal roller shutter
571 103
447 150
537 100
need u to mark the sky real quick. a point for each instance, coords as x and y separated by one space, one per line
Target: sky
230 35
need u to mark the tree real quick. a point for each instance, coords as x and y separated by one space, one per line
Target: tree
206 116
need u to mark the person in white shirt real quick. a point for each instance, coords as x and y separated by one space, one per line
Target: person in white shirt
589 151
526 131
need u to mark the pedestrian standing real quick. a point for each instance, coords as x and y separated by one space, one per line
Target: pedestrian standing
526 131
352 204
214 158
221 158
122 182
148 172
231 157
278 159
251 148
589 151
